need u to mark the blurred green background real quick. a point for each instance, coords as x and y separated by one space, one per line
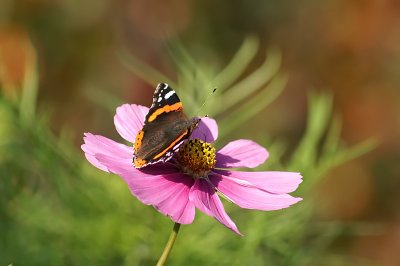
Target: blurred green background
316 82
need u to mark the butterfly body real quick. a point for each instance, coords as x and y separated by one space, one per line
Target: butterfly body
165 128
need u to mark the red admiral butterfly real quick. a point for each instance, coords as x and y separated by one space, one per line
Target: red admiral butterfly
165 128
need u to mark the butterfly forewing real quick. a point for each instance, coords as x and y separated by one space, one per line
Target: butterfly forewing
165 100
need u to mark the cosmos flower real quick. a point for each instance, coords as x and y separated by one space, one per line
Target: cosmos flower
196 174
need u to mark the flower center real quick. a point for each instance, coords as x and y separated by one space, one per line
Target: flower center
196 158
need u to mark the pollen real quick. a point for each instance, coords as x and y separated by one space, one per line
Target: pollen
196 158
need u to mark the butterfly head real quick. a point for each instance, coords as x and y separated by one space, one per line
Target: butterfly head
194 123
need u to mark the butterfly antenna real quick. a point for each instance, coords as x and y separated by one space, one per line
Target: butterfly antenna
205 101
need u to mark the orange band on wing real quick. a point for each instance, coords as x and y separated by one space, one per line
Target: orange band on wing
165 109
138 141
171 145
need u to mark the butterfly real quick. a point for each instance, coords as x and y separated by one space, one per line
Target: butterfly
165 128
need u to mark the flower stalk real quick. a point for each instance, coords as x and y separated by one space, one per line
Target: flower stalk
169 245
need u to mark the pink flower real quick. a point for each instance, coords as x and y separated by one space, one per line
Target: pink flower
195 175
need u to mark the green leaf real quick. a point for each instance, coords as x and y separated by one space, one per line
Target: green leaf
250 83
253 106
142 69
240 61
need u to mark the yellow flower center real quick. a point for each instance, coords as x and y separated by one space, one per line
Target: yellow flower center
196 158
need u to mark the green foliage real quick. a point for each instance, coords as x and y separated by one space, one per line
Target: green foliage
56 209
244 95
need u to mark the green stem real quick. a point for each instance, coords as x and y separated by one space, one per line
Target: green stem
169 245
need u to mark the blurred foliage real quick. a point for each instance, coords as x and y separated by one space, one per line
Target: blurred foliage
56 209
239 95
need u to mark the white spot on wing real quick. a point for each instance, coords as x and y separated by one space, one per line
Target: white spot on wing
176 147
169 94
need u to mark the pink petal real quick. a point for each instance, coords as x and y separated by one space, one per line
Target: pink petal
241 153
168 191
169 194
96 144
129 119
205 199
207 130
271 181
250 196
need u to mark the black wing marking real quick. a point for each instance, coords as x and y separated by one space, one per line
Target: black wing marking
164 95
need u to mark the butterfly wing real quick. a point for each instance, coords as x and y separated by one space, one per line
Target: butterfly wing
165 100
164 130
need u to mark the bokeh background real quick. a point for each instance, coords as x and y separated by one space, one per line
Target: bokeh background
66 64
